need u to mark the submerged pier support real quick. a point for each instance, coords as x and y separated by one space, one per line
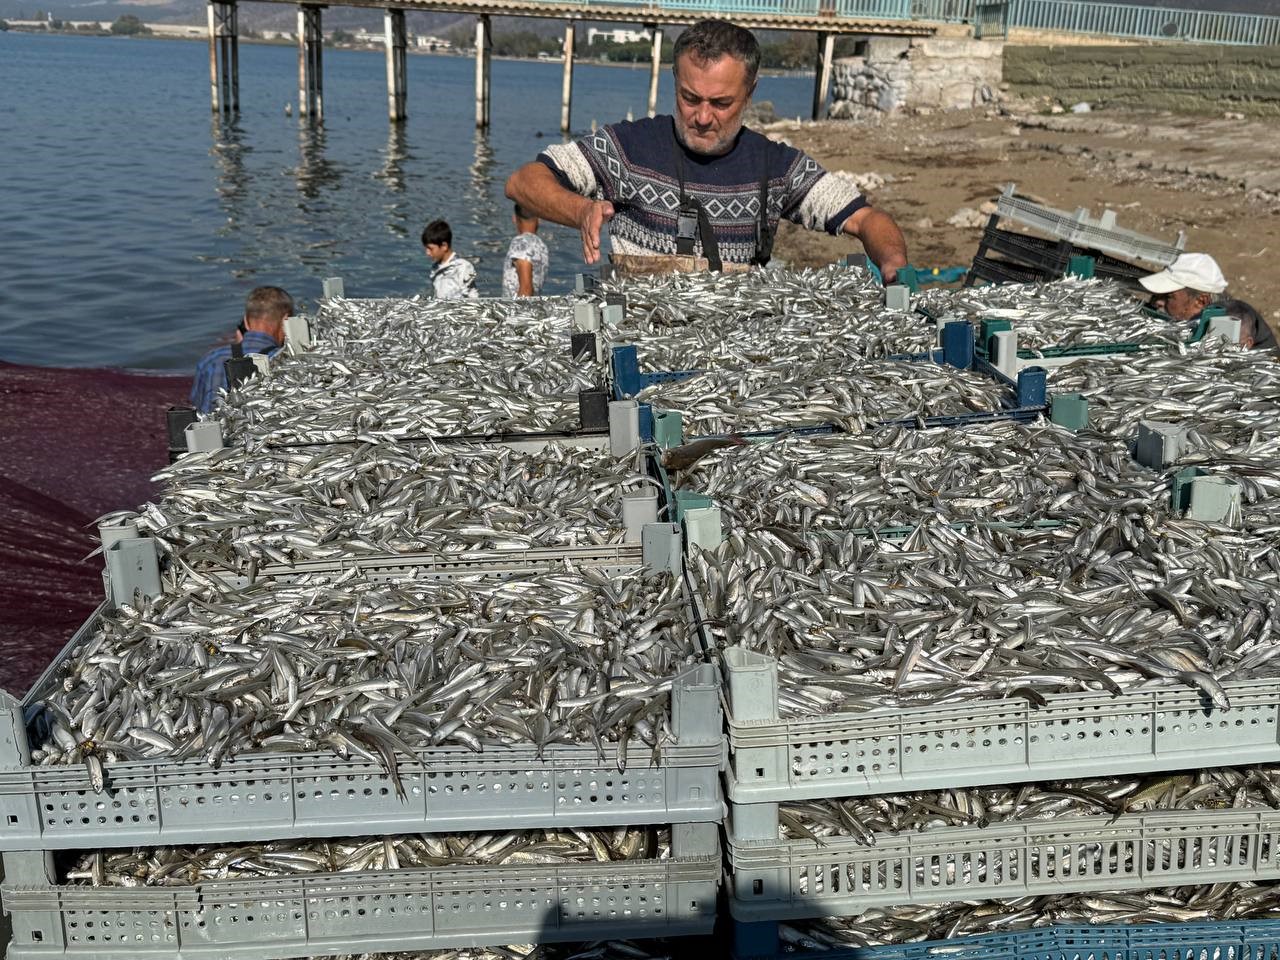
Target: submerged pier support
566 88
655 69
397 88
822 72
224 56
310 62
484 56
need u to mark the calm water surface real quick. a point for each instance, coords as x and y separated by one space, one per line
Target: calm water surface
134 222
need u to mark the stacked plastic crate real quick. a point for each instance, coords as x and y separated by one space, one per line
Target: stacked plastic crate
782 755
52 815
1075 245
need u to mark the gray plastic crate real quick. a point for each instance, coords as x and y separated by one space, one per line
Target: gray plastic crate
780 880
1101 234
448 789
989 741
363 912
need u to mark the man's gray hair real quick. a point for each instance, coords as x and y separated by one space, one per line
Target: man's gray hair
709 40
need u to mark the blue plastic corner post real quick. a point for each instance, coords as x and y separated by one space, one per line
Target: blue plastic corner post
646 422
957 344
626 371
909 277
1032 390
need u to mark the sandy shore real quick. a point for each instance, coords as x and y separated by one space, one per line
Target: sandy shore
1216 178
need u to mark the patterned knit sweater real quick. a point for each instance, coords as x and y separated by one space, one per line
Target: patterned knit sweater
632 165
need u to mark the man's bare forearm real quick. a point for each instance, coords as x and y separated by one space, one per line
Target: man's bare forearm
536 189
881 238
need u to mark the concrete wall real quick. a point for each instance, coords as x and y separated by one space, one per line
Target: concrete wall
1183 78
933 73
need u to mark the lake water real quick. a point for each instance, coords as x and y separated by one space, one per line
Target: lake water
134 222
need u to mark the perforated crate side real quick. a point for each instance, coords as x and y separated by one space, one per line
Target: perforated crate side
1005 741
1256 940
367 912
775 880
248 799
315 795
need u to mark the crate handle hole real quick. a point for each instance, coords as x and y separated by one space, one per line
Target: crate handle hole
13 820
759 773
37 936
757 887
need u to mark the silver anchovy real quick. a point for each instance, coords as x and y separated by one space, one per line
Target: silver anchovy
186 866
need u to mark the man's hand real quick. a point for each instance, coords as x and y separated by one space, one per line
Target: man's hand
881 238
594 216
536 189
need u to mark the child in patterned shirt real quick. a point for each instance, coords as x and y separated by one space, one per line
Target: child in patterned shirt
525 269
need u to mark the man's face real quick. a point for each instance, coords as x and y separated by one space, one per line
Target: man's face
1183 304
710 98
436 251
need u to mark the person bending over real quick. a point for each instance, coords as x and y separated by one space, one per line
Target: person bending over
261 330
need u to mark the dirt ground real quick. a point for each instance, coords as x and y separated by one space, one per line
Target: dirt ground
1216 178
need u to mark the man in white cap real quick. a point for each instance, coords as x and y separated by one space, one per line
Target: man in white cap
1185 287
1194 281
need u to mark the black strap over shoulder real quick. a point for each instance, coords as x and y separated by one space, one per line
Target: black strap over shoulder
692 220
764 235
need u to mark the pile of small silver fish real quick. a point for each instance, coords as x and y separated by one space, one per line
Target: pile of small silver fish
236 508
853 395
1003 472
862 818
186 866
703 321
391 369
937 921
1228 398
1064 312
950 615
375 671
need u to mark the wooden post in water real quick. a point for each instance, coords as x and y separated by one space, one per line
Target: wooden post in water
213 61
397 88
317 64
310 62
233 39
822 72
566 87
484 50
224 56
655 69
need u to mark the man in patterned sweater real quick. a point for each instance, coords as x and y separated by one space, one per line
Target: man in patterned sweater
692 184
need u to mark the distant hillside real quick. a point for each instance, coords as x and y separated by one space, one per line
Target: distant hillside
283 16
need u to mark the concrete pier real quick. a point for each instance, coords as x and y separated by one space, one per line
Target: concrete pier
224 57
310 62
397 88
484 55
655 69
822 72
566 87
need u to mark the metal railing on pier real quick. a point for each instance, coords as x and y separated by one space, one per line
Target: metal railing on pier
1144 23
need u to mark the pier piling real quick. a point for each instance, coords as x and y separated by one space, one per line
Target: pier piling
310 62
822 72
397 88
484 54
566 89
224 56
655 68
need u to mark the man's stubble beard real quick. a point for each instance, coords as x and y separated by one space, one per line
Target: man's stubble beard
721 147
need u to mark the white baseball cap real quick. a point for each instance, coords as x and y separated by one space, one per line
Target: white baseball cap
1194 271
